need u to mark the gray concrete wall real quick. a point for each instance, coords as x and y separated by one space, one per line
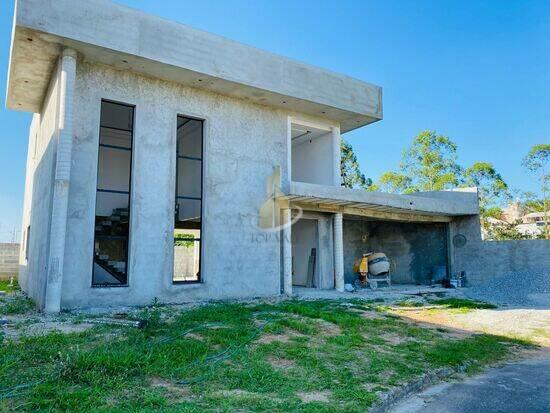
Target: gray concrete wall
310 160
482 260
244 142
38 194
414 249
9 260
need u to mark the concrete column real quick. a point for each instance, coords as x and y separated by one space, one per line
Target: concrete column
287 251
67 75
338 252
336 153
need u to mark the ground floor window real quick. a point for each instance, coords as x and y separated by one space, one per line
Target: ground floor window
188 208
112 213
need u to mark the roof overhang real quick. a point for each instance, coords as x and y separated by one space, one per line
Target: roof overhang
439 206
108 33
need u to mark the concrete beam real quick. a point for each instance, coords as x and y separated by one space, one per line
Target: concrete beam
449 204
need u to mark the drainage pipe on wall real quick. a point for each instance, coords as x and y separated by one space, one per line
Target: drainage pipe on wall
338 252
67 74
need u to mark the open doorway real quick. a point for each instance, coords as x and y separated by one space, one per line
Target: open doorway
305 253
312 154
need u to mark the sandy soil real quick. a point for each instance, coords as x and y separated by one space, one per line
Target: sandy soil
532 324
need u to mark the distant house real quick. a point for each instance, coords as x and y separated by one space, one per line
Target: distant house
529 224
165 162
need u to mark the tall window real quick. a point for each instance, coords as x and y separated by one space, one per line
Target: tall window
112 214
188 210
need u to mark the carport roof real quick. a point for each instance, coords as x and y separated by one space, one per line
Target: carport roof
439 206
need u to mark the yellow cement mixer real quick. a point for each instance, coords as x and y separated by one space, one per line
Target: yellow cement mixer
372 268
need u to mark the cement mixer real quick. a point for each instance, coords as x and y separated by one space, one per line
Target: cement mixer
373 267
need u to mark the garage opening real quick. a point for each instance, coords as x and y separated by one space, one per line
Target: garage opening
417 251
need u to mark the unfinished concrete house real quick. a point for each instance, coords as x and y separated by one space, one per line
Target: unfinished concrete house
165 162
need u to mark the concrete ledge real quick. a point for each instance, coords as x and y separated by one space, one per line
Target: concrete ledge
128 39
451 204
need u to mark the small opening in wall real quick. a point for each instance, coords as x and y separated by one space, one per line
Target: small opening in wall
29 39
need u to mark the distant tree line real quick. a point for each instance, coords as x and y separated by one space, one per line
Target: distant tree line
430 164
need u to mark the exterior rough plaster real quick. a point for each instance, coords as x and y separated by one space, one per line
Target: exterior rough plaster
39 191
482 260
244 142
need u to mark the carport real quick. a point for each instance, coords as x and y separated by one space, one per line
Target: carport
412 230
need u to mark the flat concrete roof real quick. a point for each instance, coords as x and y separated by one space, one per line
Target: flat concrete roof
438 206
128 39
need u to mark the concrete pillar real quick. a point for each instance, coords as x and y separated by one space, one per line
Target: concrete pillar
287 251
67 74
338 252
336 153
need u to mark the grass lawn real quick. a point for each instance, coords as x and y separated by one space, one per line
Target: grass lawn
285 356
14 302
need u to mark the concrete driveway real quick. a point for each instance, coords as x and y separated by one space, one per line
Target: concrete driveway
517 387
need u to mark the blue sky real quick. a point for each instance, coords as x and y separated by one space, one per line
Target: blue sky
476 71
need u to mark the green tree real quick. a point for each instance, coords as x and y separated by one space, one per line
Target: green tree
395 182
491 187
352 177
536 161
533 204
431 162
428 165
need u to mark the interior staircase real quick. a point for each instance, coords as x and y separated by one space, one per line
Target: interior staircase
113 227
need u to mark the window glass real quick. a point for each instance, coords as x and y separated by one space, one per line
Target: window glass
188 209
112 213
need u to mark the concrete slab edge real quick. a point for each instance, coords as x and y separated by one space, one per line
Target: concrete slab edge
399 394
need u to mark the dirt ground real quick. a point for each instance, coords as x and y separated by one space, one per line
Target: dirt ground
531 324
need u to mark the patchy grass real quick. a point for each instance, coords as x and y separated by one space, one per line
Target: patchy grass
14 301
409 303
8 286
462 304
308 356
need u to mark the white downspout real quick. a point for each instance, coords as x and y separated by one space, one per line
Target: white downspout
67 75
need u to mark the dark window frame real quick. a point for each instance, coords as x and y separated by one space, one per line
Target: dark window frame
129 192
199 279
